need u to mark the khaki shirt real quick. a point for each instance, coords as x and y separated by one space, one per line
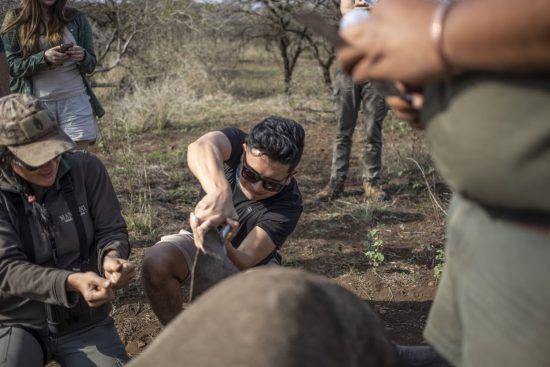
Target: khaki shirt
490 138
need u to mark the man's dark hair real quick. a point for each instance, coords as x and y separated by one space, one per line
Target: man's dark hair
282 140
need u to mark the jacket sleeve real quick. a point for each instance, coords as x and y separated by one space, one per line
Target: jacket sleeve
19 277
21 67
109 225
87 65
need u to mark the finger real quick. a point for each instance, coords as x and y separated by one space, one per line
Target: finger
399 103
115 278
111 264
348 58
206 225
197 236
194 221
234 228
97 300
417 100
97 282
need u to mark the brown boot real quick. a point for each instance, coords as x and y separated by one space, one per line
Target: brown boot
333 190
374 192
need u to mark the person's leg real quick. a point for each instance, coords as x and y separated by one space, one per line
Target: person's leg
19 348
273 317
165 267
97 345
375 110
347 102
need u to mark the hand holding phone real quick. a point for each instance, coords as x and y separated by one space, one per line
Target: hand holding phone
65 47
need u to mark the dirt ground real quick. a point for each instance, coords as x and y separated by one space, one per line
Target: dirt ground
331 238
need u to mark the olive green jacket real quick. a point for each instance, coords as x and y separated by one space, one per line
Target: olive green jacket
22 69
26 286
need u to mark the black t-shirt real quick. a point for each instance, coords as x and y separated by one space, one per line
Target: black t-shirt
277 215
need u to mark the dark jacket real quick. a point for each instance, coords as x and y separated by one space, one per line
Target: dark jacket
25 286
22 69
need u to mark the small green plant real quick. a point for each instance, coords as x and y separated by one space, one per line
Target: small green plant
374 247
439 262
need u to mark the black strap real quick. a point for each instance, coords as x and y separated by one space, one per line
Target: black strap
24 227
67 190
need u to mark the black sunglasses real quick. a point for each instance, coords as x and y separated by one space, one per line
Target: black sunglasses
252 176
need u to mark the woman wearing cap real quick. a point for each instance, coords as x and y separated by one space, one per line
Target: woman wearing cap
49 49
63 245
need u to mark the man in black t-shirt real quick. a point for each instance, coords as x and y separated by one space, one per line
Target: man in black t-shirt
249 183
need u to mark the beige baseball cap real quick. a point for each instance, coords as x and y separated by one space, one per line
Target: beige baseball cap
30 131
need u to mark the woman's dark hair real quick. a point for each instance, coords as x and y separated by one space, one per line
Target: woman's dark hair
282 140
30 24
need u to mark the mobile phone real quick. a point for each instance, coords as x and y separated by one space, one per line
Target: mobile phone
65 47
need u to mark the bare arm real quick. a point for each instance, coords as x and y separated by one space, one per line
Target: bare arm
499 35
205 159
395 43
4 76
256 246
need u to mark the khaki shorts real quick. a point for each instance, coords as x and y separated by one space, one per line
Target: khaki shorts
491 307
184 242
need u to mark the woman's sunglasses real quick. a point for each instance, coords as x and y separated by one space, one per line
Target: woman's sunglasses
252 176
30 168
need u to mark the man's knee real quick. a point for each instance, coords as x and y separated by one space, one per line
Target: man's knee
163 262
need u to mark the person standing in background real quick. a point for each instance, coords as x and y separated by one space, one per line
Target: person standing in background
49 49
349 97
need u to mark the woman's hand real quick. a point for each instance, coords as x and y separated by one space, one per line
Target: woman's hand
118 271
76 53
95 289
394 43
55 56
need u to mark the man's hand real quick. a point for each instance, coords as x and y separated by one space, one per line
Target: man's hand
394 43
199 229
95 289
118 271
407 106
76 53
55 56
216 208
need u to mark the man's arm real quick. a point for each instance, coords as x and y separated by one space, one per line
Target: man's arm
205 159
256 246
499 35
346 6
492 35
